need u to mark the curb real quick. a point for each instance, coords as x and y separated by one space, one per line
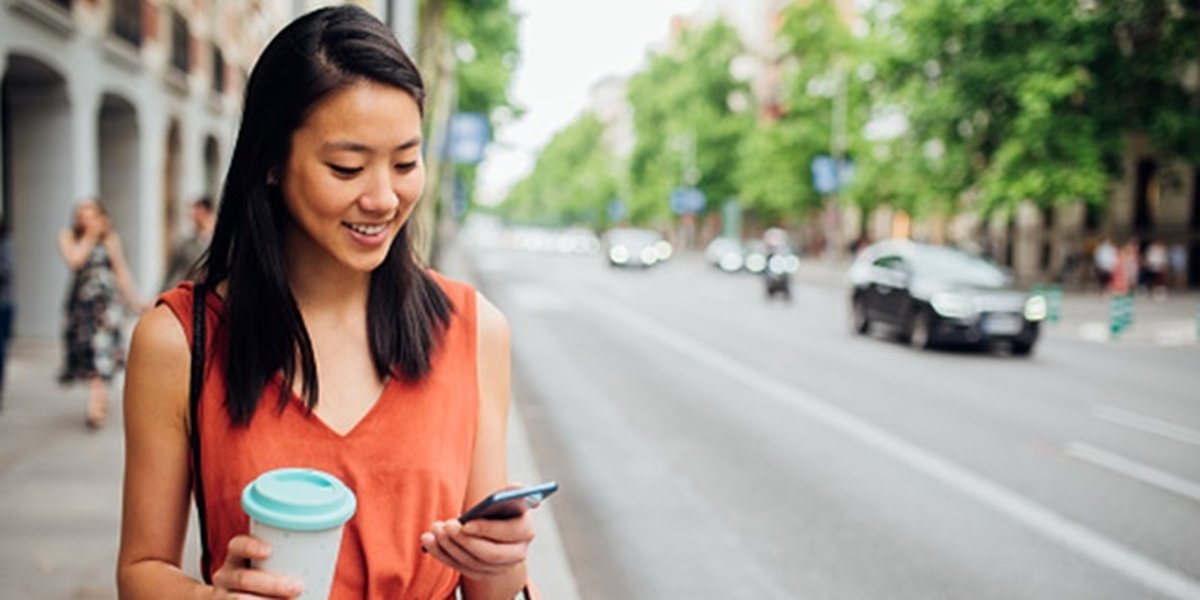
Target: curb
549 567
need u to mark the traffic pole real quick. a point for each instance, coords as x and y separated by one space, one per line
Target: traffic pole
1054 303
1120 314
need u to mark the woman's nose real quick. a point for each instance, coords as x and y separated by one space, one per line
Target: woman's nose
380 196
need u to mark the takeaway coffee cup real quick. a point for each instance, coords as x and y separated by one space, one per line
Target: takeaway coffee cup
300 513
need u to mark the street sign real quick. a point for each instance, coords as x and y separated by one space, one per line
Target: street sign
616 210
687 201
468 137
830 176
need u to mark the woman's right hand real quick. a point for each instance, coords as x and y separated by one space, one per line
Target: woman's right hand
236 579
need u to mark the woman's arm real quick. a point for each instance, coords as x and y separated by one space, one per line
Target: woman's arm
121 269
489 554
75 251
157 471
158 480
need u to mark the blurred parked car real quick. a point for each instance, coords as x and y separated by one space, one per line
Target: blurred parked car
725 253
630 247
935 295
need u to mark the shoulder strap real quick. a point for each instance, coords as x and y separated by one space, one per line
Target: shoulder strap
196 385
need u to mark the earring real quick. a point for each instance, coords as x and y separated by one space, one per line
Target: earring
272 178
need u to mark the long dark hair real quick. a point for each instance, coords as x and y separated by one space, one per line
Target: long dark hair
319 53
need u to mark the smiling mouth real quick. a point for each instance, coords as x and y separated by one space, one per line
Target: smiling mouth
367 229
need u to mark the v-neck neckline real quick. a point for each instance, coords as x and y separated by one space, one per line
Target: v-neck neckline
311 415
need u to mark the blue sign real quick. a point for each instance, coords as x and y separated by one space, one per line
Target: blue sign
468 137
829 176
616 210
687 201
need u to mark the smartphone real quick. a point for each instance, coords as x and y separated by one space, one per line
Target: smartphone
507 504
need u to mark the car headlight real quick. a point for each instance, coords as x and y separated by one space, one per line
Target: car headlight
1035 308
731 262
649 255
755 263
954 306
663 249
619 254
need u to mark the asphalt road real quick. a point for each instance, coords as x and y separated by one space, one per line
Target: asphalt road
713 445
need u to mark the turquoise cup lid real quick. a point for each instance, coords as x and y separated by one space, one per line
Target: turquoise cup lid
299 500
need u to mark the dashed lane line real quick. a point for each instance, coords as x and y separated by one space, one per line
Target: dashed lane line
1134 469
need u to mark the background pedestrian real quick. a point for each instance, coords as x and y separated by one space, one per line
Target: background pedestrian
6 300
187 254
93 350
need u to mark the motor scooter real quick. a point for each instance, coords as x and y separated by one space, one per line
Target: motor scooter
778 275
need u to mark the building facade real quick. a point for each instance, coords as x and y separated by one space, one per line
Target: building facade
134 102
130 101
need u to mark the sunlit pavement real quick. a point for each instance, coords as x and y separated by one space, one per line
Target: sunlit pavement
712 444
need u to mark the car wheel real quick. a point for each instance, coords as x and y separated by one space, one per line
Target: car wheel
1022 348
858 317
919 334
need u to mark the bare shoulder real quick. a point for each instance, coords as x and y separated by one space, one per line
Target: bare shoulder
156 379
161 334
493 325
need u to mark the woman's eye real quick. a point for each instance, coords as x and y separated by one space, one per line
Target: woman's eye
406 167
345 171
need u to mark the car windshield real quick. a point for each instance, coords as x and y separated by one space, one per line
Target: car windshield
955 266
643 237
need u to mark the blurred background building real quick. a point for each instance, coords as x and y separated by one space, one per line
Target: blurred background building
133 101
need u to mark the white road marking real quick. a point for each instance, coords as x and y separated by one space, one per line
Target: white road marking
1131 468
1140 422
1039 519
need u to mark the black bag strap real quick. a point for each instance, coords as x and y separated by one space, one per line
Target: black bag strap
196 385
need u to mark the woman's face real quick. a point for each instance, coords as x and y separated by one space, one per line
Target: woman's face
353 176
87 215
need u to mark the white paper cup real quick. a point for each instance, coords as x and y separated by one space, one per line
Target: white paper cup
301 514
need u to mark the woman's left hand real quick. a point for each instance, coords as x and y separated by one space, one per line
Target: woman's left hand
482 548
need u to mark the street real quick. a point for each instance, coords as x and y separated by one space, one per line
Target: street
711 444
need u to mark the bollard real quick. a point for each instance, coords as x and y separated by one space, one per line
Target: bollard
1054 303
1120 311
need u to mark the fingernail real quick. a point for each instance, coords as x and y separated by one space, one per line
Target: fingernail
296 587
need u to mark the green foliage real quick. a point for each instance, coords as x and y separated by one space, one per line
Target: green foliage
573 181
484 34
774 173
1035 100
681 113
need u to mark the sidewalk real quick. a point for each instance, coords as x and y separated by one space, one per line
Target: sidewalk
60 490
548 564
1171 321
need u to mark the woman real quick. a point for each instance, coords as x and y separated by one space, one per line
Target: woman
92 333
329 348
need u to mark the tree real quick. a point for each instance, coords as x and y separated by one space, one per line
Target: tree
572 183
685 131
1034 100
818 56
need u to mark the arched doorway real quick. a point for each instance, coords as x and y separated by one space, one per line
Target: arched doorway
38 176
212 167
170 198
119 176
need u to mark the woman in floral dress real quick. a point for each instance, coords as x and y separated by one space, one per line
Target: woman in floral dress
92 333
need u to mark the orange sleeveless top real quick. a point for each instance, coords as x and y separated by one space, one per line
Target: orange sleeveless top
407 460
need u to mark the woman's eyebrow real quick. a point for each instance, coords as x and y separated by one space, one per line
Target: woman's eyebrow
351 146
